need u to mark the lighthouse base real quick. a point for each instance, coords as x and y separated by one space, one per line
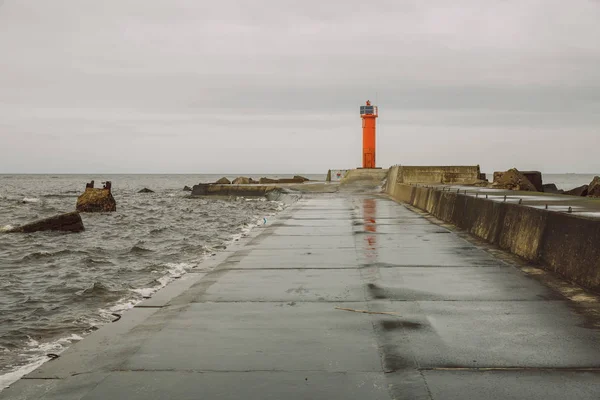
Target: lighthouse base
365 176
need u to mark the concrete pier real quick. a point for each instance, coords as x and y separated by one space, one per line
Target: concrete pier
344 296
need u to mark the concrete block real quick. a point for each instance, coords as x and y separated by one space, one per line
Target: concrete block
522 230
535 177
567 244
570 247
437 174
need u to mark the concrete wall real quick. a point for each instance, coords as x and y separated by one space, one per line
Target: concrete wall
436 174
366 176
563 243
211 189
336 175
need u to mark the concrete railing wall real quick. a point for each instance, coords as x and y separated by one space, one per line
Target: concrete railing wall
563 243
435 174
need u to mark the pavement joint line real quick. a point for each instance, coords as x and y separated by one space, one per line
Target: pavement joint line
371 299
485 369
303 248
289 269
42 379
426 384
209 371
284 302
143 306
313 235
431 266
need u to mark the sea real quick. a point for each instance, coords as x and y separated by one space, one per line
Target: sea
56 288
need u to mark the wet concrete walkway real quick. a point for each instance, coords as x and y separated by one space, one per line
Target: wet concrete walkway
266 323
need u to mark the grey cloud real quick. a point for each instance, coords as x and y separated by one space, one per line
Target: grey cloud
455 81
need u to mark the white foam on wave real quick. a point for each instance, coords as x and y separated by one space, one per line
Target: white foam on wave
30 200
6 228
35 352
174 271
144 292
258 221
36 355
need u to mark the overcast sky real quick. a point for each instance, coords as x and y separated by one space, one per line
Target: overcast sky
275 86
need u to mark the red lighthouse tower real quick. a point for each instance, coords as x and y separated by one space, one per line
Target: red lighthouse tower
369 114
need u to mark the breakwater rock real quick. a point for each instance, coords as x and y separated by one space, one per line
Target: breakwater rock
241 180
223 181
591 190
513 179
208 189
69 222
96 200
594 187
578 191
146 190
295 179
551 188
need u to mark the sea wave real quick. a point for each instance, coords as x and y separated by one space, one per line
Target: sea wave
77 282
36 354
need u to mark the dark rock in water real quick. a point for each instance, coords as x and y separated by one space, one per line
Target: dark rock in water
187 189
535 177
300 178
200 189
512 180
223 181
578 191
241 180
594 187
70 222
551 188
146 190
292 180
207 189
97 200
483 176
296 179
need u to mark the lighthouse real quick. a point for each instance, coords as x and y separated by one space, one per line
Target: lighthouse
369 114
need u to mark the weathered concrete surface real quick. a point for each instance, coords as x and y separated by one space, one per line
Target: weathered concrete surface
551 188
212 189
263 324
558 231
513 179
335 175
594 187
578 191
250 190
434 174
535 177
364 177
